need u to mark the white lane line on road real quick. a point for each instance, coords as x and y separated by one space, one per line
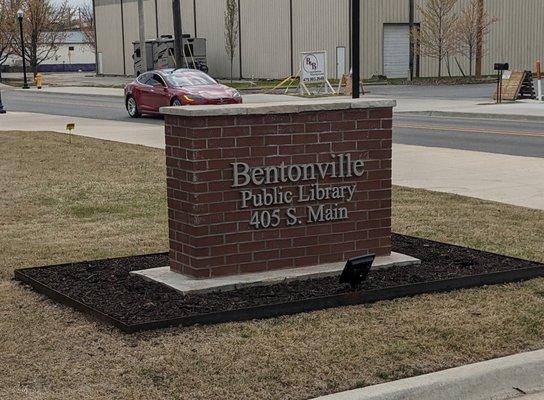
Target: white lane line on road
470 130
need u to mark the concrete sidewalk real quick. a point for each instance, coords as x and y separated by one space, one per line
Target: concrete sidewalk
78 90
74 79
503 378
127 132
521 110
496 177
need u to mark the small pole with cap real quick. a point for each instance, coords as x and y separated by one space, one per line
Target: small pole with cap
539 79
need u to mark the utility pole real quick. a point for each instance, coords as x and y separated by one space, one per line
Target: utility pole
178 33
95 41
479 39
412 46
141 26
355 48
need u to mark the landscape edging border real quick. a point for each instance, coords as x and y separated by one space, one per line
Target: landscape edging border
295 307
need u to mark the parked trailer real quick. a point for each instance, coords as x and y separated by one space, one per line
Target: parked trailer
160 54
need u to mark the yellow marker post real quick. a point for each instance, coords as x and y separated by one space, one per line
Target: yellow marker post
70 127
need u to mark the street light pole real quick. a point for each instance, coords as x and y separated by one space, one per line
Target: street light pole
141 34
412 46
2 110
178 33
355 46
20 18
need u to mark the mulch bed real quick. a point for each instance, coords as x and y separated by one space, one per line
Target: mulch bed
107 286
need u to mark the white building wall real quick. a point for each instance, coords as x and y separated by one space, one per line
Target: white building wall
82 54
518 36
321 25
317 25
265 38
210 23
109 36
130 13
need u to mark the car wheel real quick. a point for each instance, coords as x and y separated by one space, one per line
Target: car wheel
176 102
132 107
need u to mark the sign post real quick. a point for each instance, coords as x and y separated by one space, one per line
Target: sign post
313 70
539 79
500 68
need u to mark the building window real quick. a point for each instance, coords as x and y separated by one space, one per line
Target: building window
70 48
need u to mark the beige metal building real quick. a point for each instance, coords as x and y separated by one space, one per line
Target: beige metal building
274 32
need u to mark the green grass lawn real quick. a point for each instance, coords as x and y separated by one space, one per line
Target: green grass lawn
64 202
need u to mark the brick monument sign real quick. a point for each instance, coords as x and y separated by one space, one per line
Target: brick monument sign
258 187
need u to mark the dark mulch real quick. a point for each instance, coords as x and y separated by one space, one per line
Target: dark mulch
107 286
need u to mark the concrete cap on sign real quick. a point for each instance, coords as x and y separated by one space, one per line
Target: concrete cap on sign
288 107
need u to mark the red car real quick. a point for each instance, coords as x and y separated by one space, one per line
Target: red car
175 87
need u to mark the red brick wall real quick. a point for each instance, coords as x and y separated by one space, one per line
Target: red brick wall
210 234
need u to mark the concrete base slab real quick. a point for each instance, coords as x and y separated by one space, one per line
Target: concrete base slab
186 284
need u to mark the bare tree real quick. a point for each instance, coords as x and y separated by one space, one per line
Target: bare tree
5 30
86 24
435 37
471 29
44 26
231 31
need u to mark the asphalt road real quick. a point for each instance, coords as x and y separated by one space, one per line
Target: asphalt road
493 136
516 138
446 92
99 107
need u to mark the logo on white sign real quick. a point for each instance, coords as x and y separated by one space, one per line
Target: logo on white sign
313 70
314 67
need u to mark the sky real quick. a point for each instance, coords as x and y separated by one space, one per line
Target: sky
72 3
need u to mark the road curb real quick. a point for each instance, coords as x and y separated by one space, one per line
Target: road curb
500 378
455 114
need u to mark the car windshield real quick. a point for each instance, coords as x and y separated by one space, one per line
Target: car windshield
182 79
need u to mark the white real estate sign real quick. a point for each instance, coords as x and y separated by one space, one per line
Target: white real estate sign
313 70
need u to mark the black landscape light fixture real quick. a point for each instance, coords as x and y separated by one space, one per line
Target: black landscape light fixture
20 16
500 68
356 270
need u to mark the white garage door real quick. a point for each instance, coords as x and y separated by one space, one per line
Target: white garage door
396 51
